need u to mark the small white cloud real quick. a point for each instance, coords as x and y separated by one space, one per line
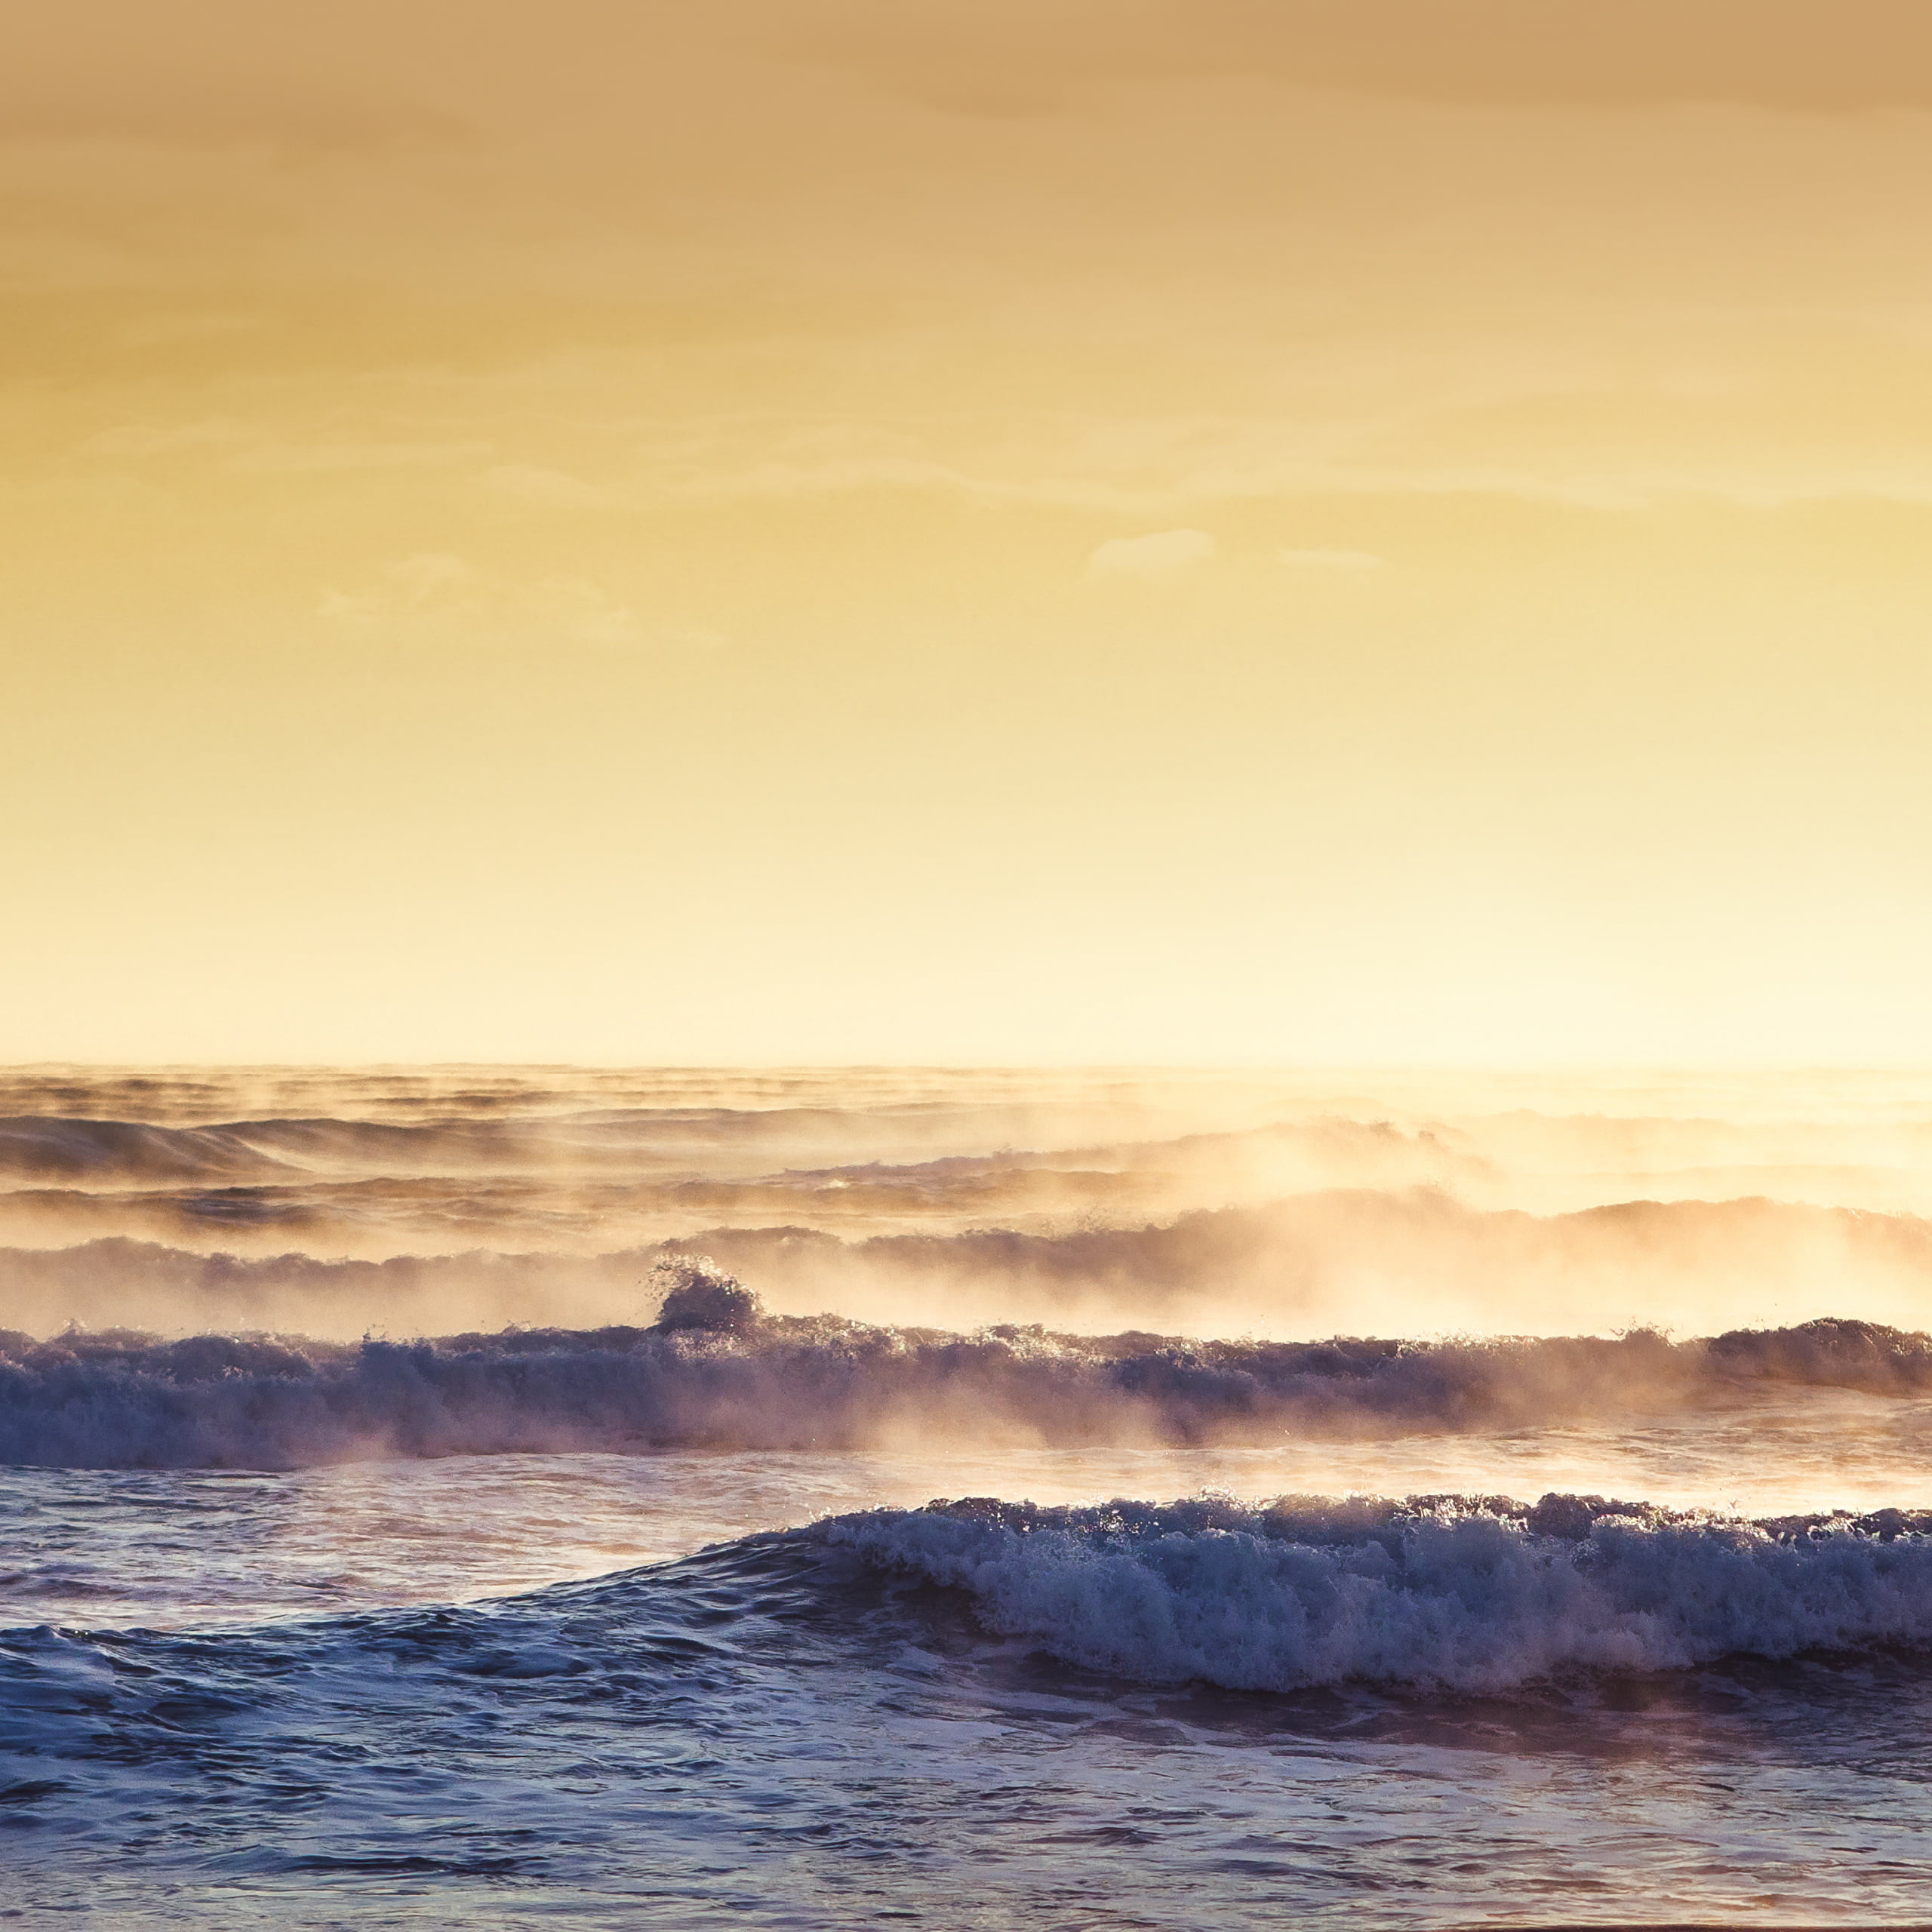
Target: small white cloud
1331 560
573 607
1159 554
431 574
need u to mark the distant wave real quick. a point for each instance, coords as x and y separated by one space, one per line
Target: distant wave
1463 1593
1294 1257
128 1153
933 1137
47 1147
1422 1231
115 1278
124 1399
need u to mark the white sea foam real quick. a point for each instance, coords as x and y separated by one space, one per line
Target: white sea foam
1438 1596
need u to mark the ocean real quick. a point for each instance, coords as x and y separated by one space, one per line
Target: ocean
815 1498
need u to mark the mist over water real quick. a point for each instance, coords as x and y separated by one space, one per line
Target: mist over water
333 1203
445 1496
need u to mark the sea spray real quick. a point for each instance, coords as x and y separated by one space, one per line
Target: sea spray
124 1399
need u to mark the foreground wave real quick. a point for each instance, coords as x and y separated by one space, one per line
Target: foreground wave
122 1399
793 1731
1466 1594
982 1713
1462 1594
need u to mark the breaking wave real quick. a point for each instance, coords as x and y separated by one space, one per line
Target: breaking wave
1469 1594
122 1398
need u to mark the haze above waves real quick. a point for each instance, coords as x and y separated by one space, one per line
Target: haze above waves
333 1201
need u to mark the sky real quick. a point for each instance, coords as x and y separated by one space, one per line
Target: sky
1233 531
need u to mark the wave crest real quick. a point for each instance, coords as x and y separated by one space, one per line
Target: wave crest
122 1398
1469 1594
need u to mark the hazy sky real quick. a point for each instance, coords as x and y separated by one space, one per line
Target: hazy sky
1151 530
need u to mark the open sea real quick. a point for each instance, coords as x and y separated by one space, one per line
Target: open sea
483 1496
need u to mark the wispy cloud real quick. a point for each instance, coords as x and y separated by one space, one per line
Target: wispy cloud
551 489
436 593
166 438
1331 560
308 456
1160 553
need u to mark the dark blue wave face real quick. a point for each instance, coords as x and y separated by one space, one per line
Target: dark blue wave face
777 1733
567 1740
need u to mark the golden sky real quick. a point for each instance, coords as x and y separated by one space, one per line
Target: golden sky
1331 530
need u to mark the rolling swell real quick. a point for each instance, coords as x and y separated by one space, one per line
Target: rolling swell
124 1399
451 1137
47 1147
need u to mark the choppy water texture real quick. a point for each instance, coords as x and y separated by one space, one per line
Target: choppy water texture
592 1623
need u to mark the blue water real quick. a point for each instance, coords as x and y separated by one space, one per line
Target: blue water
306 1623
781 1730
